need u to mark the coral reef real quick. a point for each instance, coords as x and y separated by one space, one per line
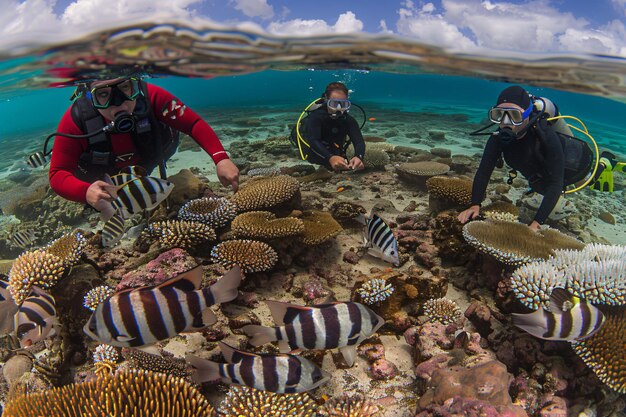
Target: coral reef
128 393
456 190
69 248
105 358
263 225
515 243
375 291
179 233
265 192
36 267
417 173
349 406
242 401
319 227
443 310
97 295
215 212
250 255
375 157
165 364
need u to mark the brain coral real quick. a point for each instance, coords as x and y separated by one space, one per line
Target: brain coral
265 192
123 394
250 255
375 156
263 225
179 233
215 212
319 227
457 190
242 401
36 267
515 243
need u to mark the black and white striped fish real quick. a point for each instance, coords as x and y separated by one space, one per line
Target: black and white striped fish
325 326
113 230
32 321
126 174
569 318
143 316
379 238
23 239
135 196
37 159
283 374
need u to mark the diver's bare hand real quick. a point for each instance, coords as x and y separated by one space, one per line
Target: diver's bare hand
97 194
338 163
228 173
534 225
468 214
356 164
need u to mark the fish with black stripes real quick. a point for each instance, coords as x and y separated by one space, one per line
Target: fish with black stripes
569 318
113 230
135 196
34 320
37 160
282 373
342 325
24 239
126 174
140 317
379 238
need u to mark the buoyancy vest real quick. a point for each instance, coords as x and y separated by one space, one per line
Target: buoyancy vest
154 141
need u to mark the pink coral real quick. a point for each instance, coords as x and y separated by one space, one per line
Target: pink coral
160 269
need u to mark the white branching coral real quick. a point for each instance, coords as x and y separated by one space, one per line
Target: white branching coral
375 291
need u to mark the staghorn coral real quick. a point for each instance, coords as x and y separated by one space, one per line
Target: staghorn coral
97 295
124 394
36 267
457 190
349 406
605 351
250 255
319 227
179 233
215 212
596 273
105 358
149 362
419 172
242 401
442 310
263 225
68 247
265 192
375 156
375 291
515 243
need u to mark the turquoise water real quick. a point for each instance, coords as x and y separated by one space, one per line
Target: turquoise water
29 113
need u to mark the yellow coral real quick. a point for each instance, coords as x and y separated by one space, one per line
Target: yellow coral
457 190
264 225
349 406
242 401
68 247
36 267
442 310
216 212
250 255
124 394
265 192
319 227
179 233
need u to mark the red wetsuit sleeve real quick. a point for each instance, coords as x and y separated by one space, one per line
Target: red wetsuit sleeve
64 162
176 114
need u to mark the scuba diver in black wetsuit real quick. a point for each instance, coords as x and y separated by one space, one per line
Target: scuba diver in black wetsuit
540 146
322 135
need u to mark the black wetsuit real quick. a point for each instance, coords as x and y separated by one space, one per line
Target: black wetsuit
327 136
541 163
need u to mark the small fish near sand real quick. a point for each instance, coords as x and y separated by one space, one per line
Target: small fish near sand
379 238
282 374
37 160
23 239
569 318
342 325
30 322
142 316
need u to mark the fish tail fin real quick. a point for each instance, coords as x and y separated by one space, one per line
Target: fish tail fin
205 370
227 288
533 323
260 335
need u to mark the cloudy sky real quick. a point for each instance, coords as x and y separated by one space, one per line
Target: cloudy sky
596 26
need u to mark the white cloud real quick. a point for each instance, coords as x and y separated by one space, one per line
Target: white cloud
383 26
346 22
254 8
102 12
24 17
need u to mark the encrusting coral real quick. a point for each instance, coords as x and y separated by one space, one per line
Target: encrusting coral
250 255
242 401
443 310
265 192
215 212
179 233
515 243
349 406
36 267
457 190
319 227
263 225
123 394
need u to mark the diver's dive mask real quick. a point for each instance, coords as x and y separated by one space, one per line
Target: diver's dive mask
114 94
515 116
338 105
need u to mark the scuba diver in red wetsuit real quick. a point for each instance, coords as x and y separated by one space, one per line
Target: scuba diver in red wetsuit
120 122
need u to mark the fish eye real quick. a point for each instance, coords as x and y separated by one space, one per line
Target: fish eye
92 326
393 252
317 375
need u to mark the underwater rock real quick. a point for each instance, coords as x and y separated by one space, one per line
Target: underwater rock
164 267
383 369
187 186
607 217
480 316
441 152
15 367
